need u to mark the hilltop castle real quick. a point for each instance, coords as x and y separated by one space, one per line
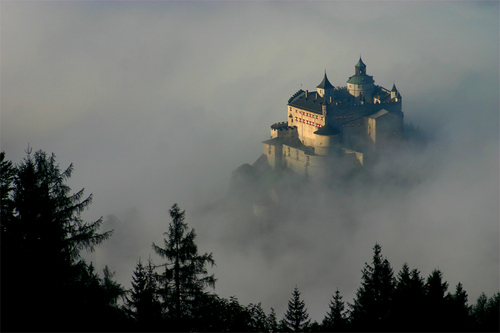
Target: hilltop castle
350 121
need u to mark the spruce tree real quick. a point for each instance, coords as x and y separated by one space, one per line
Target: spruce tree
371 308
486 313
296 316
459 310
335 319
436 302
42 237
272 322
143 303
408 302
185 276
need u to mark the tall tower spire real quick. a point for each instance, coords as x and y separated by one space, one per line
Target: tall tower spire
360 68
360 83
325 88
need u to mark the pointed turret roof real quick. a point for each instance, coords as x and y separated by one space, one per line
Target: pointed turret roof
360 63
325 84
394 87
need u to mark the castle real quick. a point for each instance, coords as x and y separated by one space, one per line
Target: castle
335 124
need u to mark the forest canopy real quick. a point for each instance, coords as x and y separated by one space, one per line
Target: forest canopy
47 282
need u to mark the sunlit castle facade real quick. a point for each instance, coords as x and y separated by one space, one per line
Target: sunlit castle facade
354 120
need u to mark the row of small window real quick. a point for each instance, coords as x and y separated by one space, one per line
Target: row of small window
346 116
300 120
315 116
351 124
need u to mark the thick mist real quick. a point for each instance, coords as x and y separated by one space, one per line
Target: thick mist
159 102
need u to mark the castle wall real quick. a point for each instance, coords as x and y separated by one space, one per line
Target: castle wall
357 154
357 89
282 130
359 125
316 166
307 123
354 134
274 154
388 129
303 163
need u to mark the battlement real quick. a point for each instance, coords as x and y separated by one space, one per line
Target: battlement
353 119
300 91
282 130
281 126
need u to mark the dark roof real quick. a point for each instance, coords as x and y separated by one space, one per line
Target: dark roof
325 84
327 130
394 87
361 79
273 141
360 63
310 103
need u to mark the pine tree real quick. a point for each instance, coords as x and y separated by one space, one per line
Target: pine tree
486 313
296 316
371 308
44 235
335 319
185 275
458 313
408 302
143 303
436 301
272 322
7 174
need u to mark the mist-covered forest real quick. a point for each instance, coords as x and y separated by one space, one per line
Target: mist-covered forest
48 285
164 102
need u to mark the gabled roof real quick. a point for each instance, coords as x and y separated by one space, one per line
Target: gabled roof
325 84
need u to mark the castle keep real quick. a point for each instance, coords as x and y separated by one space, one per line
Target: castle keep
349 122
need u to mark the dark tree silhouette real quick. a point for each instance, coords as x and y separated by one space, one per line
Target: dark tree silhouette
335 319
436 302
185 276
408 302
296 317
486 314
7 174
272 322
371 308
42 236
143 301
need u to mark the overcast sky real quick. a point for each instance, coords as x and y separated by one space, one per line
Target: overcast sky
158 102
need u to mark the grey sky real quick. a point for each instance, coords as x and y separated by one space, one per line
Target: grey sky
157 102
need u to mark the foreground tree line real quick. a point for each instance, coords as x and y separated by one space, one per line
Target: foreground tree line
47 286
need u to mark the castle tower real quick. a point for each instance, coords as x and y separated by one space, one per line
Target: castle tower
395 94
325 88
324 109
361 83
360 68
